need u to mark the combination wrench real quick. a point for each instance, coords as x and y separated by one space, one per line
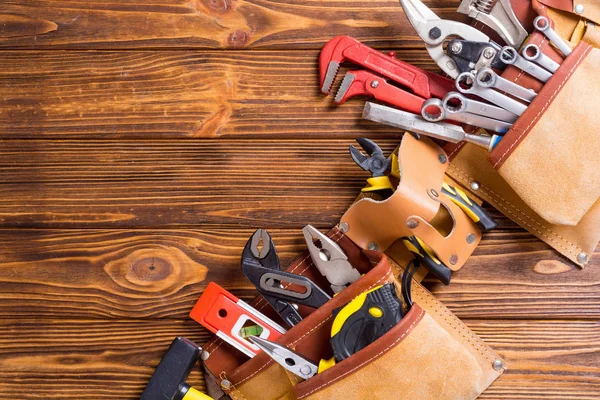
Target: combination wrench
486 77
466 83
510 56
532 53
542 24
455 102
433 111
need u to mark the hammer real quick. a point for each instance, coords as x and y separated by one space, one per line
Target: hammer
168 381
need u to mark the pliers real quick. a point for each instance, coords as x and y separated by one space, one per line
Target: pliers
330 259
434 31
261 267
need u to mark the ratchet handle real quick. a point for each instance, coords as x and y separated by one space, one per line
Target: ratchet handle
428 259
473 210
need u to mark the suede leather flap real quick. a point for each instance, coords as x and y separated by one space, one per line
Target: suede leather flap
549 157
591 8
430 354
415 208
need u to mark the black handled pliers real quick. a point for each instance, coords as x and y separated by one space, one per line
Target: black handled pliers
283 290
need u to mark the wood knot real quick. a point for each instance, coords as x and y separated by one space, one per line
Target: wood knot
149 269
158 269
219 6
237 39
551 267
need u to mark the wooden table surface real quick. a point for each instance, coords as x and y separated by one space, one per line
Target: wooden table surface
143 141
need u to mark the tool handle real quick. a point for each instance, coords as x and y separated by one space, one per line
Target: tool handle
473 210
423 83
429 260
365 319
395 96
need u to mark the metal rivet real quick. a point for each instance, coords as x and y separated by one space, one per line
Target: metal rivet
344 227
489 53
412 223
582 257
435 33
372 246
456 47
579 8
471 238
374 84
475 185
433 193
225 384
204 355
305 369
453 259
497 364
442 158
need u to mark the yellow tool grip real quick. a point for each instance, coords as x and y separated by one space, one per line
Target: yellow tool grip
378 183
193 394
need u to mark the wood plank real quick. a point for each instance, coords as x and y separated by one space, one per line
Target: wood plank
92 359
177 183
150 95
205 24
159 273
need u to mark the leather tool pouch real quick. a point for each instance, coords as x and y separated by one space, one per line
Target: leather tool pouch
418 208
430 354
548 171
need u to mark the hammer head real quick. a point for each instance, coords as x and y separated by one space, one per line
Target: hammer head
172 371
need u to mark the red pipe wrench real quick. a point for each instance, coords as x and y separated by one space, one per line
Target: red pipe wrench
365 83
344 48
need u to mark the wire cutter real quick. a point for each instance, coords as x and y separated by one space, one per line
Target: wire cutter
261 267
330 259
434 31
288 359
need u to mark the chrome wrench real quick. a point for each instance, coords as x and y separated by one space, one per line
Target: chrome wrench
486 77
511 56
433 111
542 24
414 123
455 102
532 53
467 84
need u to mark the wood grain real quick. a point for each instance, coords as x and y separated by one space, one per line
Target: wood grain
97 359
161 273
166 94
210 24
177 183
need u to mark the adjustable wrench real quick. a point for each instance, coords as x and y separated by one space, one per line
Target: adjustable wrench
344 48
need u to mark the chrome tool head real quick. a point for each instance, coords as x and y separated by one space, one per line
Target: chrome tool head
374 162
434 31
287 358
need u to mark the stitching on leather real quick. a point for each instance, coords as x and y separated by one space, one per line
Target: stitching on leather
492 193
314 328
454 322
548 102
336 237
409 330
269 361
